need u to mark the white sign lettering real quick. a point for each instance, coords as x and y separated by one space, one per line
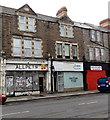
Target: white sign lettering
96 67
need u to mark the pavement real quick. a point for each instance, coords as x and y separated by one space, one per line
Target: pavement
49 96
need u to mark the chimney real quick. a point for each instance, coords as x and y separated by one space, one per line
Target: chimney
105 23
61 12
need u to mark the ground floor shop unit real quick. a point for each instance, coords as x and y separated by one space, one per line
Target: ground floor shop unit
93 71
26 76
68 76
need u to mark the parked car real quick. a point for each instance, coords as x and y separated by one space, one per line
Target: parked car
3 99
103 84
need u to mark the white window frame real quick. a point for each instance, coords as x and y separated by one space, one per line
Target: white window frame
97 54
98 36
21 24
37 49
74 52
91 53
66 30
102 50
31 25
29 48
16 47
93 37
59 50
67 50
27 24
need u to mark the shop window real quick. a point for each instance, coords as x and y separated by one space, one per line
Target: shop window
91 53
27 48
26 24
74 51
66 30
59 50
93 35
67 51
16 47
37 48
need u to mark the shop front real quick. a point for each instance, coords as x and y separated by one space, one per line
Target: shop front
93 71
25 77
68 76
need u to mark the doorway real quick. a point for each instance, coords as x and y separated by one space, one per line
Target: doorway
41 84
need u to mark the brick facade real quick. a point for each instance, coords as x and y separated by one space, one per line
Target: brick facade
47 29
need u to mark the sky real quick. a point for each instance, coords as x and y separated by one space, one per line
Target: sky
84 11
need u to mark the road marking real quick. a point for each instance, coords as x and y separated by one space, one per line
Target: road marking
88 103
81 103
92 102
15 113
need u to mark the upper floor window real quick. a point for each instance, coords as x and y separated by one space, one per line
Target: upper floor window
59 50
26 24
97 54
22 23
93 38
66 30
27 48
98 36
74 51
67 51
91 53
103 54
37 48
31 23
16 47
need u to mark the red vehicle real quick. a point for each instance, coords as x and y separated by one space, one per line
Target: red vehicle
3 99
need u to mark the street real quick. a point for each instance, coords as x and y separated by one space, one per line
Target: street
84 106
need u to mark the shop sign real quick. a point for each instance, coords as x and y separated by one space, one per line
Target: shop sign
43 66
96 67
73 79
25 67
68 66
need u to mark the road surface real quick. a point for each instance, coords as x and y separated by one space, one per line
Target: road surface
84 106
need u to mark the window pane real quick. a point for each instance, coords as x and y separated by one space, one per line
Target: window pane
31 22
98 36
70 31
67 50
62 30
31 28
37 48
92 35
103 55
27 43
17 47
22 23
74 50
97 53
37 52
17 42
59 49
22 27
91 53
27 48
37 44
22 19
